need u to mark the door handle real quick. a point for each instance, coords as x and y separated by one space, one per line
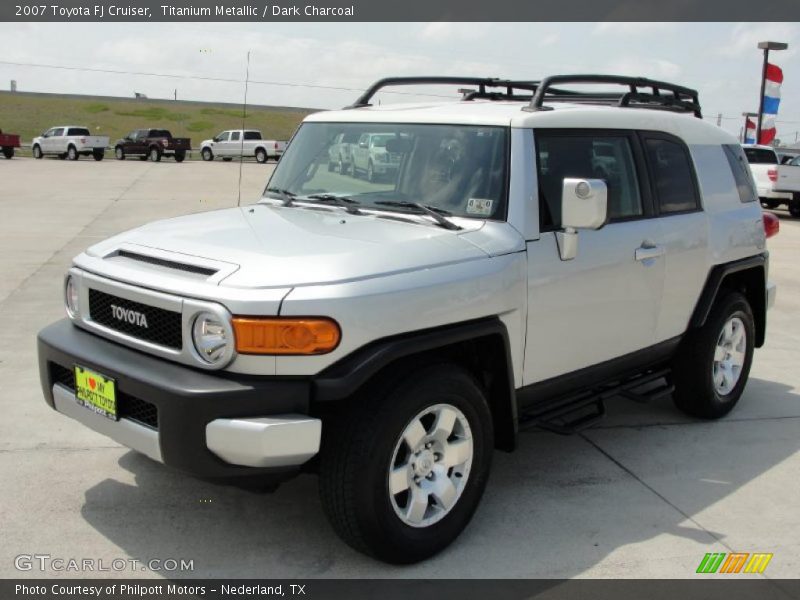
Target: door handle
649 252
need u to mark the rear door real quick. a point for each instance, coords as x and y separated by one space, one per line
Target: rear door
603 304
683 239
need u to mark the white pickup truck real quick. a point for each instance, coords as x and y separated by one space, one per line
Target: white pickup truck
235 143
71 142
776 183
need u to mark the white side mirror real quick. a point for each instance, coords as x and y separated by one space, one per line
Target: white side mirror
584 205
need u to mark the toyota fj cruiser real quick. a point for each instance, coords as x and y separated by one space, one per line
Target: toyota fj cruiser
538 249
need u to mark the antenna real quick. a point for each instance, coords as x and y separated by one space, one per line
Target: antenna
241 139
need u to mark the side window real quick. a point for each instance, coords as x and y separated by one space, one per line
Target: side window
223 137
235 136
673 178
795 162
741 172
606 157
58 132
362 141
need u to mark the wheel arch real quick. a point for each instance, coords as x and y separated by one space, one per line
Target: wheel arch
748 276
480 346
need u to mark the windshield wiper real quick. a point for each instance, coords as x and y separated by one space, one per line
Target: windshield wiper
344 202
285 195
434 212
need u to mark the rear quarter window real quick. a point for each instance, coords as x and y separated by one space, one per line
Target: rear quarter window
672 175
741 172
252 135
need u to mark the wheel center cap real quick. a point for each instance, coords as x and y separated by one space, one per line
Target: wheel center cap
424 462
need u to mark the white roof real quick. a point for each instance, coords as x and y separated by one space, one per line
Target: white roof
558 114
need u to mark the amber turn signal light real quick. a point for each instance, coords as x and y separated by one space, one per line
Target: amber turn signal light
278 335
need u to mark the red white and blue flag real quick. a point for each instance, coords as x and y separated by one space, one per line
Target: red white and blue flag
772 100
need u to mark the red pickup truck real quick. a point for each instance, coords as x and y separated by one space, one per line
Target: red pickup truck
8 142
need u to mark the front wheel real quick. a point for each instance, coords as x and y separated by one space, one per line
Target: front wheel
794 206
72 153
712 365
370 173
119 153
37 152
207 154
403 470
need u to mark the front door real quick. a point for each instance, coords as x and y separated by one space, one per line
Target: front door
604 303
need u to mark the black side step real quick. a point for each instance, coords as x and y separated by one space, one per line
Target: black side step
573 413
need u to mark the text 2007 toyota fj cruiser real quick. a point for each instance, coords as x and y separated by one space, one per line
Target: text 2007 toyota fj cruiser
537 249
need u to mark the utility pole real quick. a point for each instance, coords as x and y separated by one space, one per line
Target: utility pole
766 47
719 120
176 94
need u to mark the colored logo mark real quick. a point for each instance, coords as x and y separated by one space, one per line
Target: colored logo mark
735 562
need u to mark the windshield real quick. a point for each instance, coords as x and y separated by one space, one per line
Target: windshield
460 170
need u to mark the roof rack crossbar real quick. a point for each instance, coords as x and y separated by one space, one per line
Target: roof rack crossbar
481 82
681 98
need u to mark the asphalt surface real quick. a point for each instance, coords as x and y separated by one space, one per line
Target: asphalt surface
645 494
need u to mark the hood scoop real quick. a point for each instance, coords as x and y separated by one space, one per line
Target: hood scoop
155 261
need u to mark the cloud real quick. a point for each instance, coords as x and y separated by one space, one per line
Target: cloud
744 37
443 31
631 28
647 67
549 40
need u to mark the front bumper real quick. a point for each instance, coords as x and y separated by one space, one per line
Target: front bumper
215 426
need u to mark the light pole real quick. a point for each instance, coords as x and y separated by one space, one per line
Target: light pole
766 47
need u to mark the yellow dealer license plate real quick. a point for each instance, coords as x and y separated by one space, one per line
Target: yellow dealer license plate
96 392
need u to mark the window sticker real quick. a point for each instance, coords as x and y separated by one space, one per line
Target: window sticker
480 206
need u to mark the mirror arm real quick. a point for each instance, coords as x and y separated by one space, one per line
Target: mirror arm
567 241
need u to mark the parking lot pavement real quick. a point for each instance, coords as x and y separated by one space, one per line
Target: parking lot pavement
645 494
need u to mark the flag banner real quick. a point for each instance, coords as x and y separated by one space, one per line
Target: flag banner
750 131
771 103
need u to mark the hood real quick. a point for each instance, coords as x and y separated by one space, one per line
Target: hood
273 246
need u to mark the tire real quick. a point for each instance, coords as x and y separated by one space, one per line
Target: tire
261 156
155 154
72 153
207 154
227 158
771 204
794 206
119 153
180 156
360 447
98 155
702 388
8 152
370 172
37 152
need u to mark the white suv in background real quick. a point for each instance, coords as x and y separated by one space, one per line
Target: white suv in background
535 252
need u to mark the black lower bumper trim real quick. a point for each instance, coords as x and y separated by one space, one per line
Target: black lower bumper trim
186 399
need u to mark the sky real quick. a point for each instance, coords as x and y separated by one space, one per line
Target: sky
721 60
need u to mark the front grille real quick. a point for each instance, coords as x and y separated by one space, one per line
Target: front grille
128 407
163 326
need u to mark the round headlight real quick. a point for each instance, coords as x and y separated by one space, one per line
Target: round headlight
71 297
210 338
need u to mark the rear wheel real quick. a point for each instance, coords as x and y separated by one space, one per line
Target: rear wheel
119 153
37 151
8 152
794 206
155 154
180 156
98 155
370 172
261 155
403 470
72 153
207 154
713 363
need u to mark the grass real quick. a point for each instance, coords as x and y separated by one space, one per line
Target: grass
30 115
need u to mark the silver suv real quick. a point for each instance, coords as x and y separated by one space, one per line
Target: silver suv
535 251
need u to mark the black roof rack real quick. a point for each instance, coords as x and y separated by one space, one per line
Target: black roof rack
662 95
656 95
